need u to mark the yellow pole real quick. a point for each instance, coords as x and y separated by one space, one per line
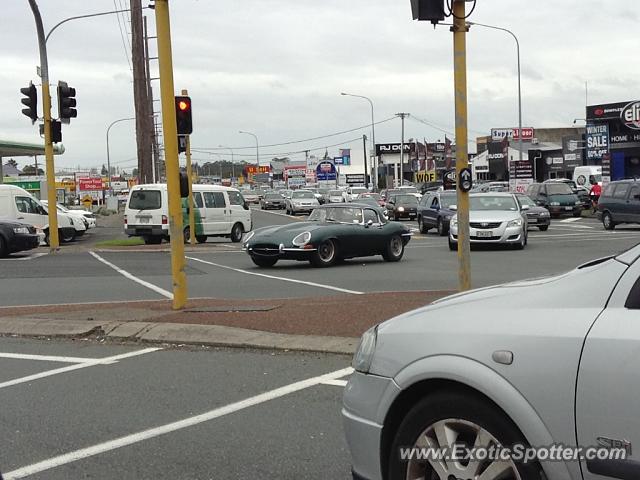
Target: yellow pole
54 241
460 81
170 133
192 213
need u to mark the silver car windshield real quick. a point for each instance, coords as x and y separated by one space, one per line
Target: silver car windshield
490 202
337 215
302 195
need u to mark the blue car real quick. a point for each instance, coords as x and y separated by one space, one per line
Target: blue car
434 211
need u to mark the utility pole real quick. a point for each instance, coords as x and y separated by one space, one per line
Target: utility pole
364 145
462 159
140 94
152 118
170 133
54 241
400 178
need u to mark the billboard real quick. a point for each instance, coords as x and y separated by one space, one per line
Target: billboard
597 141
90 184
326 171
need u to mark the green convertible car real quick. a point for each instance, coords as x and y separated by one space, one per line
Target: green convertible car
332 233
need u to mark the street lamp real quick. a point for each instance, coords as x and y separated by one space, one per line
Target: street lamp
257 151
373 137
108 158
111 12
519 90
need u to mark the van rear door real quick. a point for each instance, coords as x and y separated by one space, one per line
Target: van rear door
146 208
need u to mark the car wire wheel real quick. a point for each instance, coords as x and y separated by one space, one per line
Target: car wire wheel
325 255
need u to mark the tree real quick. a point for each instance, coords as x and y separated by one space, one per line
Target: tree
31 170
13 163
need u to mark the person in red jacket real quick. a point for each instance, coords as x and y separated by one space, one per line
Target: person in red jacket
596 191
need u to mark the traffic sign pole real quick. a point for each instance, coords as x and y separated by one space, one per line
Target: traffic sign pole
170 133
462 162
192 213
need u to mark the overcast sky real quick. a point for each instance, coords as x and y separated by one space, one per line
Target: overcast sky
277 67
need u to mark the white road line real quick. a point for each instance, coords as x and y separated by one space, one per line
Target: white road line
175 426
47 358
126 274
273 277
335 383
571 220
91 363
576 240
26 258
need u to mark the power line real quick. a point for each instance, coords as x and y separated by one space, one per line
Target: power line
418 119
122 36
301 141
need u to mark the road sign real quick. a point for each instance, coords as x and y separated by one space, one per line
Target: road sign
355 179
466 180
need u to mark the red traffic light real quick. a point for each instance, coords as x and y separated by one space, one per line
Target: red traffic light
183 105
183 115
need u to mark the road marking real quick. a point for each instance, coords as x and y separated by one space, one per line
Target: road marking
175 426
273 277
576 240
48 358
91 363
126 274
25 258
571 220
335 383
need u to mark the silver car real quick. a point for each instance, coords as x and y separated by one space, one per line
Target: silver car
301 201
493 218
526 366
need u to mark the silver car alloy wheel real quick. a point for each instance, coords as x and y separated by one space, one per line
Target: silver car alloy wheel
446 434
396 246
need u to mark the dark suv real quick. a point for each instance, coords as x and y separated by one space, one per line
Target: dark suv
620 203
557 197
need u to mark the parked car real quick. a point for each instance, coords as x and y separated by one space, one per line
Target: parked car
332 232
546 362
301 201
494 218
434 211
18 204
272 200
536 216
219 211
16 236
402 205
79 222
557 197
619 203
251 196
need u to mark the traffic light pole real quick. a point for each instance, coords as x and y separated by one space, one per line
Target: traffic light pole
54 242
460 80
192 213
170 133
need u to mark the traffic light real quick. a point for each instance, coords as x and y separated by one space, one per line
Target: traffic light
56 131
184 185
183 115
431 10
66 102
30 101
182 144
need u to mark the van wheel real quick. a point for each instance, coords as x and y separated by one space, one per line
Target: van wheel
186 235
4 251
607 221
236 232
201 238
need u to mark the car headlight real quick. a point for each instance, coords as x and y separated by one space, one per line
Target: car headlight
578 203
401 209
302 239
515 223
454 222
248 237
364 354
21 230
544 214
555 204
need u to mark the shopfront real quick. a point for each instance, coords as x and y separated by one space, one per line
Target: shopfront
613 138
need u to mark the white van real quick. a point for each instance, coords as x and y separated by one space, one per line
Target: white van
583 174
219 211
18 204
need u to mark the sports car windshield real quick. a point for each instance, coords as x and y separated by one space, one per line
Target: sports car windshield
302 195
486 202
338 215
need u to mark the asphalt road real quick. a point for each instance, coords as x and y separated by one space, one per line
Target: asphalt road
215 414
222 270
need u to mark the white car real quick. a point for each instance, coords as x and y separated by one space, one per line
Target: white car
353 192
336 196
494 218
86 218
545 367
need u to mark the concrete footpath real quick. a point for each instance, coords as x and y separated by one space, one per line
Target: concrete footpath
319 324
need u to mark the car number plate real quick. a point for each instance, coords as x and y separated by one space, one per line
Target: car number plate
144 219
484 234
568 208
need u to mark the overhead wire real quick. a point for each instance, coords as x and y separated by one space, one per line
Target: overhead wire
122 36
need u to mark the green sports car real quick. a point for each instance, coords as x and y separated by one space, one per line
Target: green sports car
332 232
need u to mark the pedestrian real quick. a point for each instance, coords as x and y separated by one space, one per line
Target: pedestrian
594 194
